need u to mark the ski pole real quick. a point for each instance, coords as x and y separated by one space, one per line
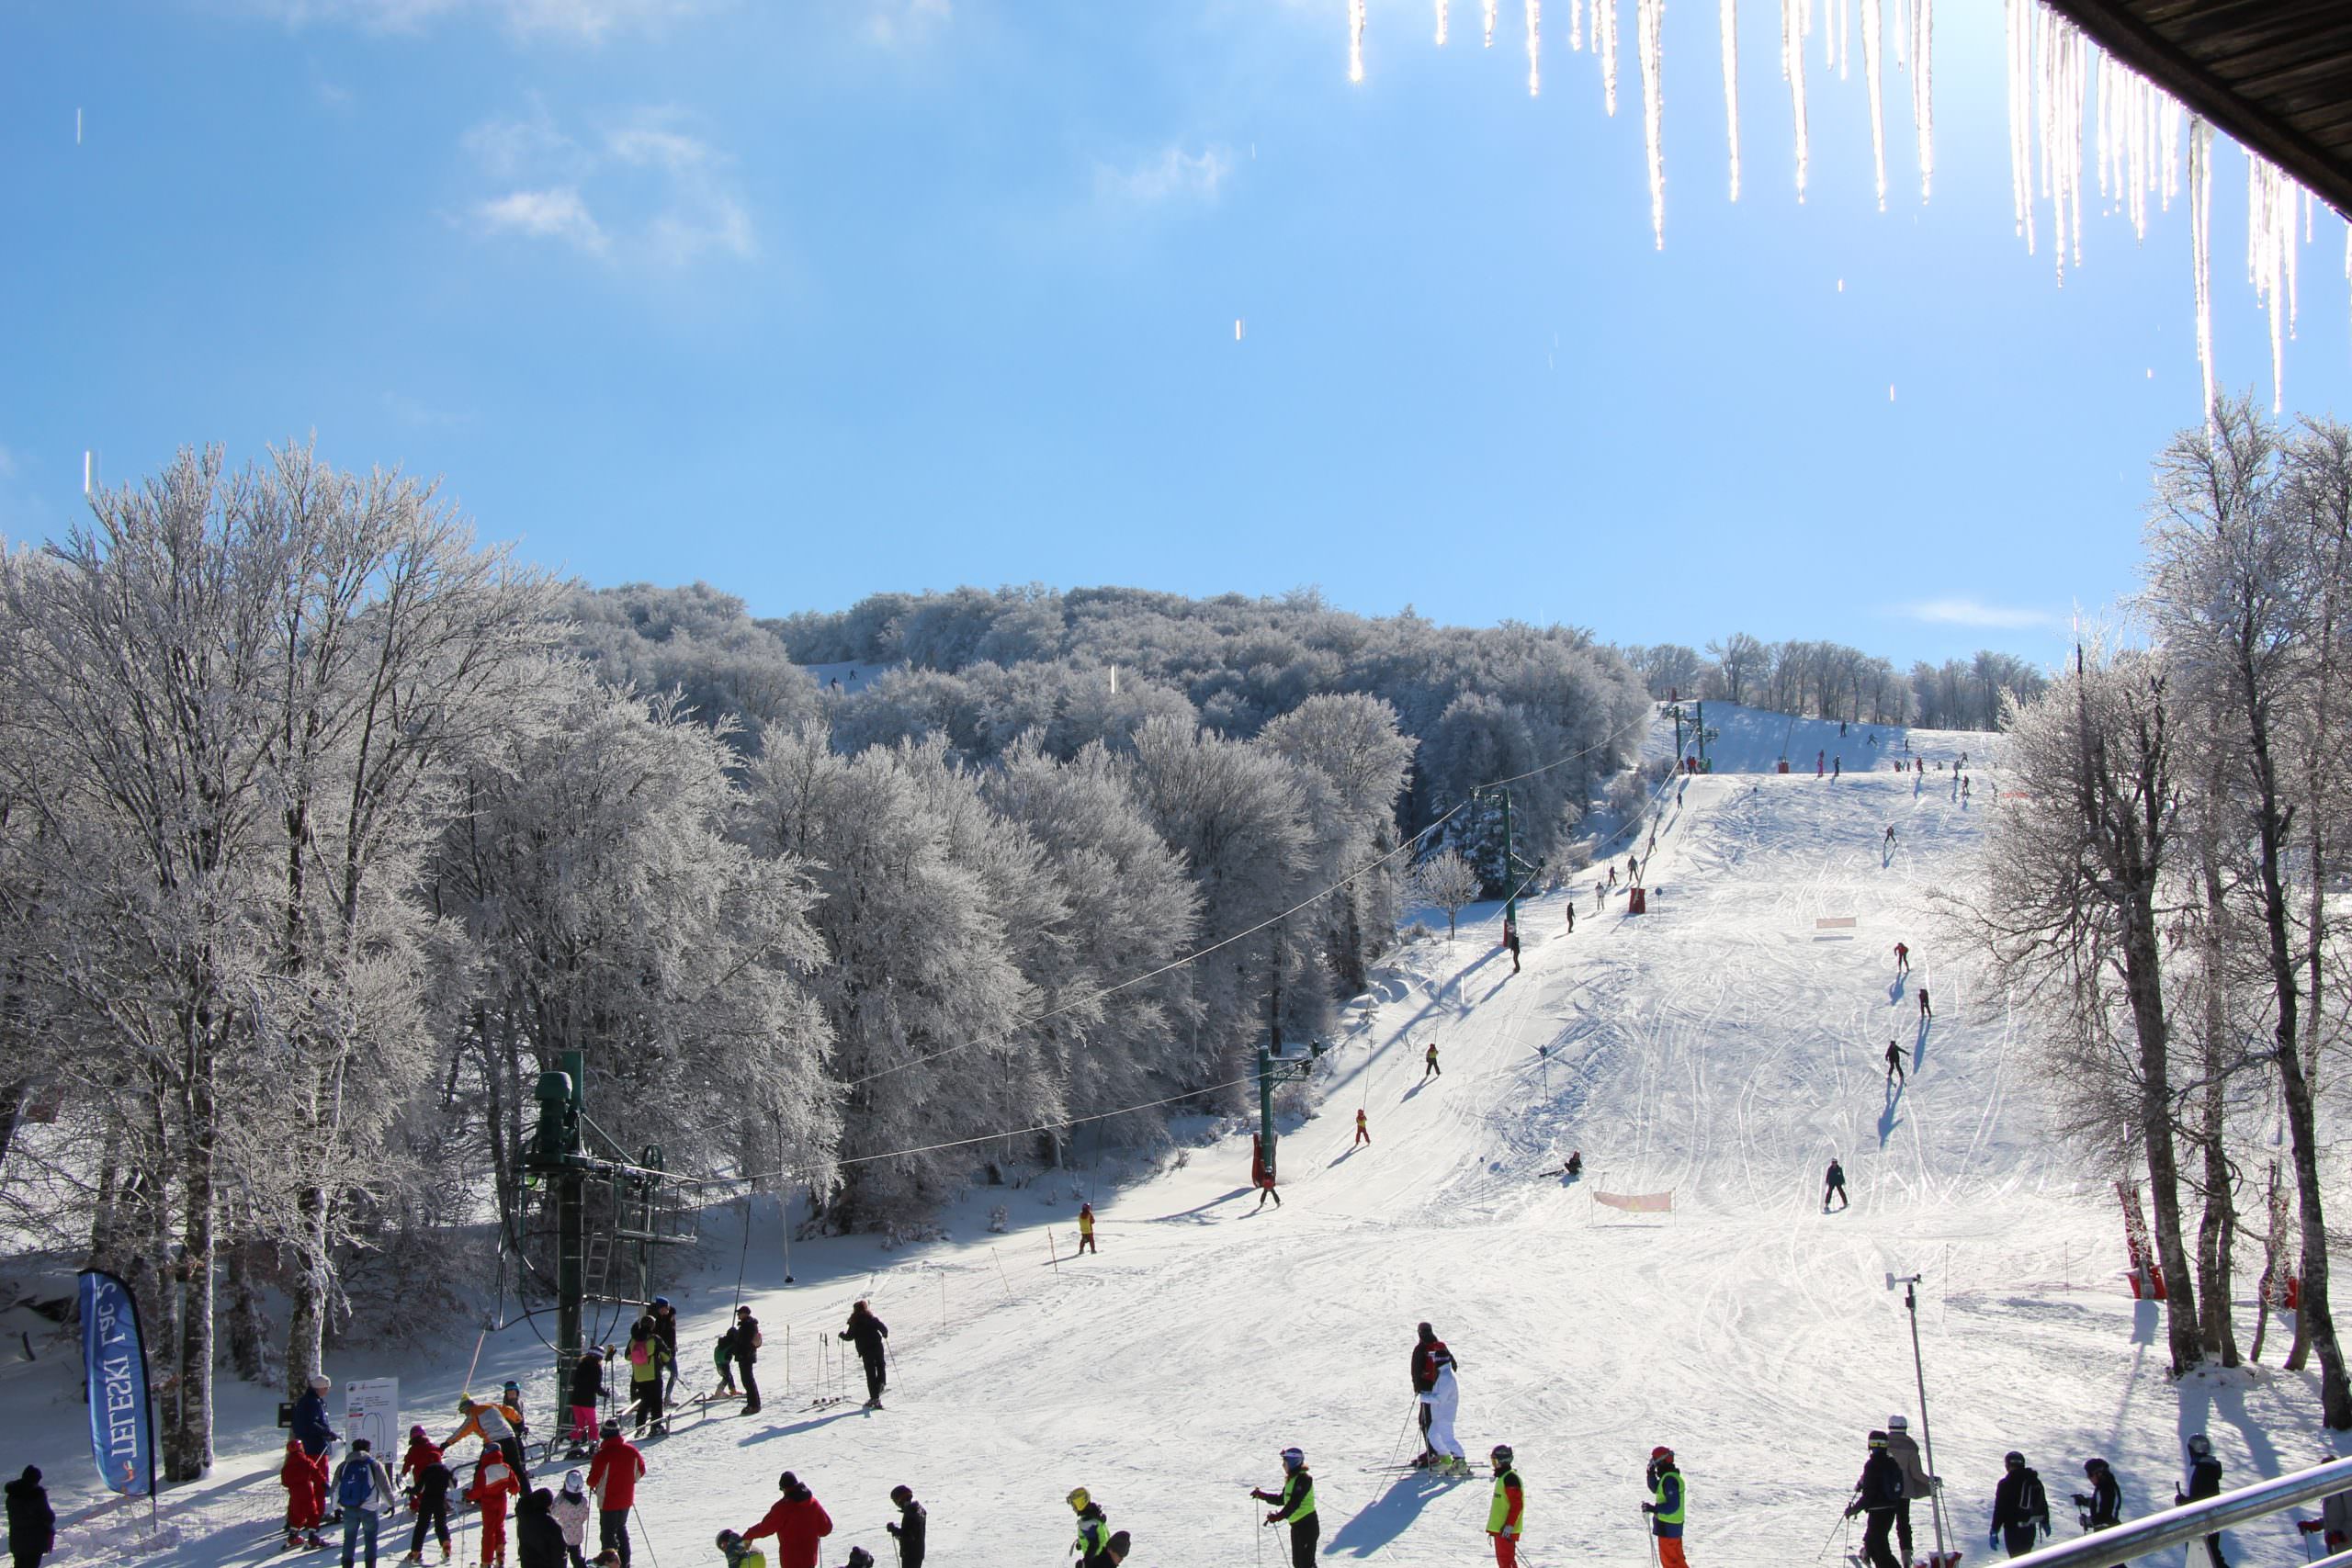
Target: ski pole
646 1535
1257 1531
1832 1536
1653 1535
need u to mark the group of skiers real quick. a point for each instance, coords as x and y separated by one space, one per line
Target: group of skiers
1893 1478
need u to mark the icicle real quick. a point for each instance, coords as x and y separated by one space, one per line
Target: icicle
1491 7
1923 89
2270 258
1795 20
2019 15
1355 40
2169 140
1649 24
2200 247
1729 11
1440 23
1534 48
1604 44
1870 20
1576 25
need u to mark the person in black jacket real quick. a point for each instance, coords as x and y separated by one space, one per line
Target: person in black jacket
867 1332
1879 1494
539 1540
744 1347
910 1530
585 1398
1294 1506
2204 1481
32 1524
665 1329
2019 1507
2102 1507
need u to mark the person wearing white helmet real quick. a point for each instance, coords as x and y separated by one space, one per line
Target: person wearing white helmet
1294 1506
1919 1486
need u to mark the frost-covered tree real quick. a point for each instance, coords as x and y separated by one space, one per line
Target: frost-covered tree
1353 760
1448 881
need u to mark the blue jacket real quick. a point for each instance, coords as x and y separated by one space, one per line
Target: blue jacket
312 1428
1666 1499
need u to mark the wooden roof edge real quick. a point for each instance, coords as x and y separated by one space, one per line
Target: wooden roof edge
2113 24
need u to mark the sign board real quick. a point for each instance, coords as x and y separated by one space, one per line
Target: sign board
1833 923
371 1409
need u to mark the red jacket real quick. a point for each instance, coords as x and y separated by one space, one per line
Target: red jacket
422 1451
612 1473
304 1476
495 1481
797 1525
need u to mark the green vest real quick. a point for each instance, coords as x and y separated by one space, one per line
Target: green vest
1682 1499
1500 1512
1298 1498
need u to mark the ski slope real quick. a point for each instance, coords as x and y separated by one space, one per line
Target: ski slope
1722 1047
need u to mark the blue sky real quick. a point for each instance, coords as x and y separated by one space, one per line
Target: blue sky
810 301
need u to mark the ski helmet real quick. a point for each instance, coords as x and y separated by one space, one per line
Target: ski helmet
659 1302
1898 1423
860 1558
416 1431
1294 1459
903 1494
2093 1466
1427 1333
1661 1451
2199 1444
1077 1498
1877 1440
1501 1454
2013 1459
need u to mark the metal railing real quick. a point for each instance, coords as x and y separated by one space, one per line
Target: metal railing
2194 1521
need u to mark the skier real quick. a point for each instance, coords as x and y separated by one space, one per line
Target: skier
304 1476
495 1481
797 1520
2102 1507
1925 1011
1085 1228
1967 786
32 1523
1364 1132
1262 1170
1092 1541
1837 767
1820 763
1440 1396
1612 874
648 1361
1508 1512
2334 1525
1633 871
539 1540
1878 1493
493 1425
1572 916
1902 953
310 1424
1429 1063
1918 1484
613 1476
1666 1506
2204 1481
1836 1184
1511 942
363 1489
1294 1506
570 1510
746 1352
665 1329
722 1357
587 1391
913 1523
1893 1063
867 1332
1575 1168
2020 1507
429 1499
1887 844
733 1552
510 1397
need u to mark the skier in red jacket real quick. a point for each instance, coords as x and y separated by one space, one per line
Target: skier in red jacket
494 1482
797 1521
613 1476
304 1476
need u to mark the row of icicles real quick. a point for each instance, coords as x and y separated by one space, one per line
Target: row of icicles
2052 68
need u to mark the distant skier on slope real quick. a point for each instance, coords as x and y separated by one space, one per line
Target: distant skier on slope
1261 1174
1926 1010
2020 1507
1835 1182
1085 1228
1364 1132
866 1332
1572 916
1666 1506
1888 842
1902 953
1429 1063
1894 1062
1575 1168
1440 1397
1878 1494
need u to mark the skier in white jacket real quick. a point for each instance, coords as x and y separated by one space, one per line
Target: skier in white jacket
1440 1397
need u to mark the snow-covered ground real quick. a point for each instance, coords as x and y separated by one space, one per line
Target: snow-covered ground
1721 1046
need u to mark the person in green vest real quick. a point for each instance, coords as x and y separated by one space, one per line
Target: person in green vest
1092 1545
1294 1506
739 1553
1509 1510
1666 1505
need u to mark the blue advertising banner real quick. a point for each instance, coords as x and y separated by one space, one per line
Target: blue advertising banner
113 1359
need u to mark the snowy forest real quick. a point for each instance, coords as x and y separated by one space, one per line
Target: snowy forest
325 828
2165 878
1828 680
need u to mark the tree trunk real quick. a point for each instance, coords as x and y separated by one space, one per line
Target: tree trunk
188 1429
248 1322
2142 984
306 1312
2219 1228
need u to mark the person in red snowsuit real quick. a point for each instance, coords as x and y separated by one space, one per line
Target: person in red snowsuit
797 1521
1363 1134
494 1482
304 1476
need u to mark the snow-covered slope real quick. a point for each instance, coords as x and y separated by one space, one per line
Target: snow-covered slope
1721 1046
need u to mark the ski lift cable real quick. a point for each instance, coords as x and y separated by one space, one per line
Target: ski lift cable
980 1138
1200 953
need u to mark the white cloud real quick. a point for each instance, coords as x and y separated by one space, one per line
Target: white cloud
555 214
422 415
1970 613
660 193
1170 174
894 24
8 464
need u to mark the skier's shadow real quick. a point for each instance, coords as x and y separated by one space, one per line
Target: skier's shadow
1386 1518
1347 1155
1920 1045
1891 1117
795 1429
1416 1089
1895 992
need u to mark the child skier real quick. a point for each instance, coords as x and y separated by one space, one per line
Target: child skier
304 1476
1508 1512
1364 1132
1085 1228
1666 1506
1835 1182
494 1484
